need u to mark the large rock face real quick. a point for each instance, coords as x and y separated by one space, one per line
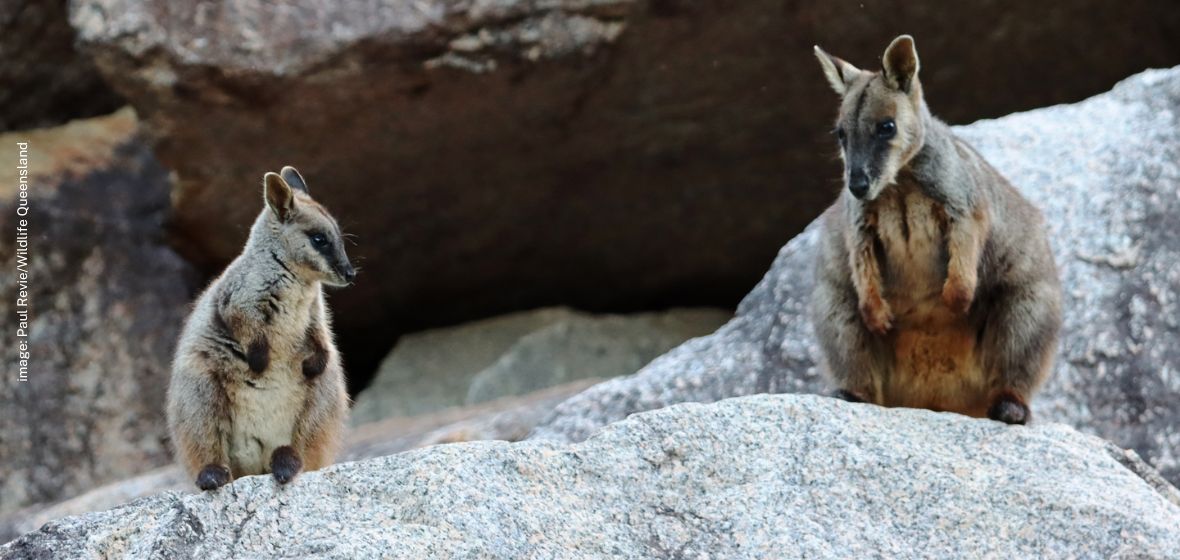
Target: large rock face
1106 174
107 299
761 477
521 353
43 79
493 156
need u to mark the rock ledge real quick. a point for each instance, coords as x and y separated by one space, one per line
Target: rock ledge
756 477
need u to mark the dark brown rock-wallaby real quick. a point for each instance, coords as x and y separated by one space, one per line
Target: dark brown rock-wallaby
257 384
936 286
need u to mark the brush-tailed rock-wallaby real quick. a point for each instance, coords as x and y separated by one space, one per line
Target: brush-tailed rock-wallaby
935 285
257 384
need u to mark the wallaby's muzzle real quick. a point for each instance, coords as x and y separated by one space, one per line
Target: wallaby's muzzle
858 184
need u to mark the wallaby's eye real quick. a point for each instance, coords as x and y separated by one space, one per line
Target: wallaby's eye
840 133
886 129
318 239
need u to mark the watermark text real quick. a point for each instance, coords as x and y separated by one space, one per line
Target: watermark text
22 261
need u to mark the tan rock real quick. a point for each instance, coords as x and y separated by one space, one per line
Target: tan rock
107 297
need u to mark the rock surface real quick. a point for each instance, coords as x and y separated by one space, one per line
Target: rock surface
761 477
44 81
1105 172
508 419
107 299
498 155
521 353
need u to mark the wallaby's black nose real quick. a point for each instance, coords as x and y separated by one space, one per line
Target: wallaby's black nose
858 184
349 273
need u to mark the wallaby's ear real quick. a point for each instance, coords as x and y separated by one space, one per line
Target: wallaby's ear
900 63
294 179
839 73
279 197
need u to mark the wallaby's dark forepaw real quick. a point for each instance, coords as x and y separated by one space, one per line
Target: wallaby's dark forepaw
315 364
1009 409
285 464
258 355
213 477
849 396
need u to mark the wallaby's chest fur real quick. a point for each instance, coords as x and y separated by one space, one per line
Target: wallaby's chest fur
934 357
911 228
264 406
262 419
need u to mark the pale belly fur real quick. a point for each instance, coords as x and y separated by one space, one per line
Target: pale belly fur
263 419
935 362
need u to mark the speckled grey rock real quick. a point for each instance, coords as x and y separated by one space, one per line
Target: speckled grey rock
762 477
1106 173
508 419
520 353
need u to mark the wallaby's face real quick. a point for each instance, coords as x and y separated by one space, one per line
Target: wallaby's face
880 126
307 237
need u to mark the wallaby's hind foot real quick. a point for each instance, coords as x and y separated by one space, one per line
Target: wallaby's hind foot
285 464
850 396
1009 408
213 477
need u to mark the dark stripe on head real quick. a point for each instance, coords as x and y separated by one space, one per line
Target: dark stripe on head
860 101
877 158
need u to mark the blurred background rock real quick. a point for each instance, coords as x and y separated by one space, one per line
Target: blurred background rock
521 353
617 157
44 80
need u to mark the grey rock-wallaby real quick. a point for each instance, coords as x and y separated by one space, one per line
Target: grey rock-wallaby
257 384
936 286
